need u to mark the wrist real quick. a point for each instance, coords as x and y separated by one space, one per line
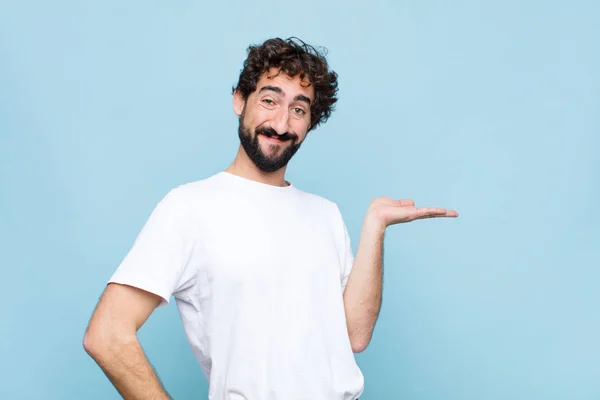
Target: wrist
373 225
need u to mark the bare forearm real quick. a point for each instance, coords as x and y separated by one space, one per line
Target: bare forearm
362 297
126 366
363 293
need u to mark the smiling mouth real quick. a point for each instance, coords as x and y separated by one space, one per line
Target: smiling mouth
273 138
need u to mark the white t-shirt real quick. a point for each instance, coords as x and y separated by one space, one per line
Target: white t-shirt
257 272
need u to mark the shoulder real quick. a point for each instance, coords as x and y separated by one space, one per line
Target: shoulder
187 196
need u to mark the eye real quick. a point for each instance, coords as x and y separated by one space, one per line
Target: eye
299 111
268 102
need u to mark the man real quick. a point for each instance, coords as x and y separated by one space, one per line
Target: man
273 302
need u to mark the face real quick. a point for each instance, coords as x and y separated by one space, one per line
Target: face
275 119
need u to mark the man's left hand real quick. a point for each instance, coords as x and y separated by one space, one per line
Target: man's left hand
385 211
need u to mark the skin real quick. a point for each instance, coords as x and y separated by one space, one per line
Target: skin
281 110
362 296
111 340
279 102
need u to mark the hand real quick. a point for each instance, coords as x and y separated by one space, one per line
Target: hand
386 211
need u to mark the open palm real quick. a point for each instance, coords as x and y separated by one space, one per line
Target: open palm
390 211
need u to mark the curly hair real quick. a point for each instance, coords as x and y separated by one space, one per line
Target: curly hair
293 57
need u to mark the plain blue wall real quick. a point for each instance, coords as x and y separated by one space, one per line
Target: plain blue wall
490 108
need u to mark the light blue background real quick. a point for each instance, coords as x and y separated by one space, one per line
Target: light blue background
490 108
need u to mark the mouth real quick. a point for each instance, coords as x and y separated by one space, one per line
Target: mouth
271 138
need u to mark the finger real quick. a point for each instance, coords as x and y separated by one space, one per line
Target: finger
405 203
447 215
402 203
428 212
435 212
391 202
451 213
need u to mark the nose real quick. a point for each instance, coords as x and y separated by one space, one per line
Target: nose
281 122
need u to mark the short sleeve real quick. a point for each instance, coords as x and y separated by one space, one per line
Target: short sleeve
158 260
345 250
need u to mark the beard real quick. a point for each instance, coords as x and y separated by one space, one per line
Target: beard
267 162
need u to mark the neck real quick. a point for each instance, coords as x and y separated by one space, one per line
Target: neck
243 166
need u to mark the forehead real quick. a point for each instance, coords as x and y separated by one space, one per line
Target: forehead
290 86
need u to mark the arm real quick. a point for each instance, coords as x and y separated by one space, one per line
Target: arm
362 296
111 340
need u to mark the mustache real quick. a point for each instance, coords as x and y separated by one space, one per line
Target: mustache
270 132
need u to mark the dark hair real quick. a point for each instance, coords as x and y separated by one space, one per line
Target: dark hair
294 57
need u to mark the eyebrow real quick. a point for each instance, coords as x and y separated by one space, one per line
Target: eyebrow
278 90
301 97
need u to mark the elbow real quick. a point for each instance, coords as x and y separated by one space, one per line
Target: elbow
92 344
358 348
359 343
360 337
100 343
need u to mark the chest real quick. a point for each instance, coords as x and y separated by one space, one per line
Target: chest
257 248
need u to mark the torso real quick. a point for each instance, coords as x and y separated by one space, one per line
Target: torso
265 316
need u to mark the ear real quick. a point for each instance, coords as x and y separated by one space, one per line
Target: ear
238 103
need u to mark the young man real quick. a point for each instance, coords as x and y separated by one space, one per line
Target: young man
272 299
